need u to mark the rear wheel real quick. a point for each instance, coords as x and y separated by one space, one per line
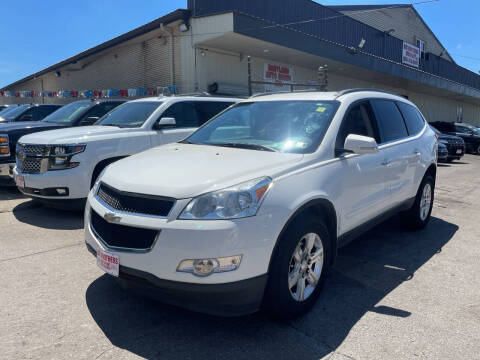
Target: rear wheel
419 214
298 269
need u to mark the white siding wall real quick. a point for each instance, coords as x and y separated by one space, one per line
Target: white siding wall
406 23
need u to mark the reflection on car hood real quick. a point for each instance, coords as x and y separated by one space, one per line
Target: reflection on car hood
185 170
5 127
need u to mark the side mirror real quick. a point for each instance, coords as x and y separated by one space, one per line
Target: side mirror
26 118
165 122
359 144
89 120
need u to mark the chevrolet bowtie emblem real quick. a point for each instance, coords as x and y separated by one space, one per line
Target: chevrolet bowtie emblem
21 156
112 218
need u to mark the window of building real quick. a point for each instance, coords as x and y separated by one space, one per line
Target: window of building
390 120
421 46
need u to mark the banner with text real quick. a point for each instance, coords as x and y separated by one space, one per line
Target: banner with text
279 76
411 55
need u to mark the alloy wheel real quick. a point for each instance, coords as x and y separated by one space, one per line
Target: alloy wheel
425 201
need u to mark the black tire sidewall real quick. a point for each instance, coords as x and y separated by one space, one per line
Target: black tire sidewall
278 301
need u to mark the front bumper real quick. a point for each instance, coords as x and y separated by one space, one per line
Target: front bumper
75 181
241 290
227 299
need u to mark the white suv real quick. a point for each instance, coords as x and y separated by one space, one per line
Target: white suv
59 167
252 207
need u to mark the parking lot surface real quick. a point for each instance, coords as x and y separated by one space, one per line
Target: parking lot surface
393 294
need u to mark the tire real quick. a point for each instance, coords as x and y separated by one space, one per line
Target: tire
477 149
419 214
283 300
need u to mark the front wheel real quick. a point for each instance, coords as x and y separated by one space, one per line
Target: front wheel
419 214
298 269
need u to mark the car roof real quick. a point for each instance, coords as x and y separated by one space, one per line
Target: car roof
343 95
188 98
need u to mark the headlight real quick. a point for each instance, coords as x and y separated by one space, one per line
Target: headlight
61 155
4 145
232 203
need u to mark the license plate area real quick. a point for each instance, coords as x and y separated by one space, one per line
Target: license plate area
108 262
459 151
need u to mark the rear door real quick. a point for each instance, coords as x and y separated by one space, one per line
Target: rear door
363 189
401 156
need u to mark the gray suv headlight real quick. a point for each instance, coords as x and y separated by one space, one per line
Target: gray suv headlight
235 202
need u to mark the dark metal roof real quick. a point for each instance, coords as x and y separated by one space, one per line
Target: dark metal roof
180 14
367 7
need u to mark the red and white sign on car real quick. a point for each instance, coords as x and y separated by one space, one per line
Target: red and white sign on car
410 55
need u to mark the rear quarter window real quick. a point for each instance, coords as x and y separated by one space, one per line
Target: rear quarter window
390 120
413 118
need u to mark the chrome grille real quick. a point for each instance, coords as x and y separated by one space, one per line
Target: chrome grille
39 150
31 165
134 203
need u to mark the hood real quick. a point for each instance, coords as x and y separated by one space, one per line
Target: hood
25 125
184 170
448 137
73 135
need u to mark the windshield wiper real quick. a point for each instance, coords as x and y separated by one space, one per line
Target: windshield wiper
109 125
245 146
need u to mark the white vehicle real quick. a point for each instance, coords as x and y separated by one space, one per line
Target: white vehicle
59 167
252 207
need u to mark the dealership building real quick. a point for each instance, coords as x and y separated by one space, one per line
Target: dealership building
208 46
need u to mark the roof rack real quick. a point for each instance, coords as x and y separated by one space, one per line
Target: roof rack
286 92
349 91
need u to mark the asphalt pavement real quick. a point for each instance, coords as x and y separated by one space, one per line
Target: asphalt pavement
393 294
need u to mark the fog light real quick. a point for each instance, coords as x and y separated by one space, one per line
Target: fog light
61 191
208 266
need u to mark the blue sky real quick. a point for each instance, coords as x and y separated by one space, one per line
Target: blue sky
36 34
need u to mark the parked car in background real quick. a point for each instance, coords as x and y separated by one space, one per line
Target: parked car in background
28 112
455 145
60 166
78 113
469 133
442 152
5 107
251 208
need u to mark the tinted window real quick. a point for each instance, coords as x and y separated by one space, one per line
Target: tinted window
184 113
208 109
68 113
40 112
390 121
131 114
10 115
101 109
285 126
462 129
413 118
359 121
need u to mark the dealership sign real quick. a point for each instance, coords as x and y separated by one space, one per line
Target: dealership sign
410 55
279 75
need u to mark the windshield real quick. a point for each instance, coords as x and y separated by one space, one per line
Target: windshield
285 126
475 130
10 115
131 114
68 113
6 110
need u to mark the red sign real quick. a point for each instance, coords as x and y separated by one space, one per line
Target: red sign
410 55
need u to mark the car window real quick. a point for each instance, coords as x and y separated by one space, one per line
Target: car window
40 112
285 126
390 120
462 129
68 113
131 114
10 115
185 114
208 109
413 119
100 109
360 121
